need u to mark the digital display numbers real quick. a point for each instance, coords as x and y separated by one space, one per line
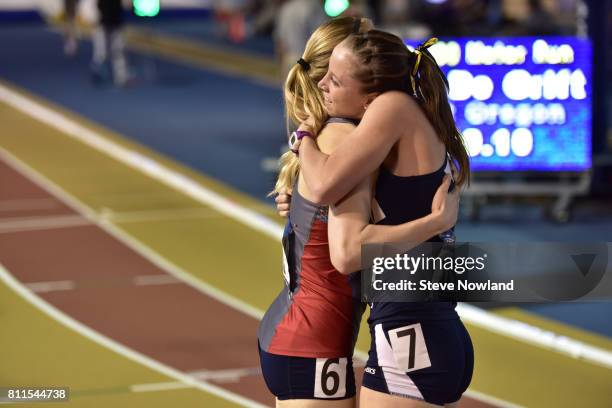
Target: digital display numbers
522 103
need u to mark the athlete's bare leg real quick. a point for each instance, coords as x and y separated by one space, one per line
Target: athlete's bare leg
374 399
313 403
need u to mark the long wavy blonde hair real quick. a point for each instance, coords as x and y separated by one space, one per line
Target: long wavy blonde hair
302 96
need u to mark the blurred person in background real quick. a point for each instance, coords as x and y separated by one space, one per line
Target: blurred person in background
439 15
70 27
540 20
528 17
108 41
401 17
263 13
565 13
471 17
495 14
230 14
463 17
295 22
375 11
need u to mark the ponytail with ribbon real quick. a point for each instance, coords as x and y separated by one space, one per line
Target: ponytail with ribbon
415 74
385 64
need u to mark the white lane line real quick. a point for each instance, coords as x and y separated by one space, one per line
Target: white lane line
46 222
12 225
118 348
154 280
64 285
163 386
52 286
160 215
232 375
206 196
28 204
534 335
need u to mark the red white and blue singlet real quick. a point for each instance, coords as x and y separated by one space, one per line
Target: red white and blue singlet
317 313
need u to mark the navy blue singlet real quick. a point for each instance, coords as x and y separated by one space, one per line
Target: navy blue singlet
404 199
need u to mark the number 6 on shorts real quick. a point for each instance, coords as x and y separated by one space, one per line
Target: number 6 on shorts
330 378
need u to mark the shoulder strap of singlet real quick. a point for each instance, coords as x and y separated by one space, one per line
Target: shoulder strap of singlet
338 119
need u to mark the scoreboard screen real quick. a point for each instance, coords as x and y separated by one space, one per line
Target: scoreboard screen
521 103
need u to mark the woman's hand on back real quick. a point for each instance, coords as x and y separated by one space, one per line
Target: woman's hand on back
283 202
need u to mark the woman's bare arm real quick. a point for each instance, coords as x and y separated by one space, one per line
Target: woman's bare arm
349 225
329 178
349 221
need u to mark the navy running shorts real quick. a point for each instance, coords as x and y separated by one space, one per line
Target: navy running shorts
430 361
308 378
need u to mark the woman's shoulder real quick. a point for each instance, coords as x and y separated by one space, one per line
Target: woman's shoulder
388 112
332 134
396 98
336 128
